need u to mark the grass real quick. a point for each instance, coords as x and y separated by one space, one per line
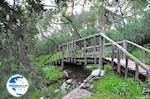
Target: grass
52 72
92 66
49 72
112 86
41 59
137 53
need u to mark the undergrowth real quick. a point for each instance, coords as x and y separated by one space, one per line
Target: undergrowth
112 86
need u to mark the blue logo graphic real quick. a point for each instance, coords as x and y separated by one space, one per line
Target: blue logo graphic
17 85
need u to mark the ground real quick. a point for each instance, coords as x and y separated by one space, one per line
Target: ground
111 86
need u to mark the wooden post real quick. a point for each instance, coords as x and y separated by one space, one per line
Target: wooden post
95 57
125 47
118 58
113 55
59 56
75 52
141 56
67 52
144 57
126 66
101 42
71 51
148 76
62 60
85 57
136 71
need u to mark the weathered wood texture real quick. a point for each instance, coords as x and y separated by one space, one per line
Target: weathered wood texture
119 53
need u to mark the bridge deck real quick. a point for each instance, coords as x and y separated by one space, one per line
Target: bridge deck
108 60
131 65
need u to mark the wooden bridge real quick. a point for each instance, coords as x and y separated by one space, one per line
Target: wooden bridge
100 49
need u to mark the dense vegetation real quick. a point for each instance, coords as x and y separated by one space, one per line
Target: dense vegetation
30 30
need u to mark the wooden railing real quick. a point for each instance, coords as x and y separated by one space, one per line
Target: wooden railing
144 52
127 57
96 42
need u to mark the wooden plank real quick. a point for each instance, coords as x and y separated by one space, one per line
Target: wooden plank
136 71
71 49
141 56
126 66
85 57
118 58
59 62
106 44
67 51
139 46
144 57
75 46
89 37
125 47
113 55
101 41
148 77
62 59
131 65
95 58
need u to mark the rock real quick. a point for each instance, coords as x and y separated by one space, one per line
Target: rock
66 73
77 93
63 87
97 73
67 84
41 97
146 91
69 81
102 73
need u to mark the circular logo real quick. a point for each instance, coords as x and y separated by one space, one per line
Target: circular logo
17 85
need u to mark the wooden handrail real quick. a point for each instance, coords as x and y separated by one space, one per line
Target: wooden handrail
107 44
126 53
139 46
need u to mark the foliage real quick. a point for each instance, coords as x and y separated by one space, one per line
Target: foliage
112 86
52 73
138 54
41 59
135 30
49 72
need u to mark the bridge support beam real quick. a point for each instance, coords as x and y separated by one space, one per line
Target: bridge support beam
125 47
95 56
85 57
62 58
118 60
148 77
113 55
74 52
101 50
